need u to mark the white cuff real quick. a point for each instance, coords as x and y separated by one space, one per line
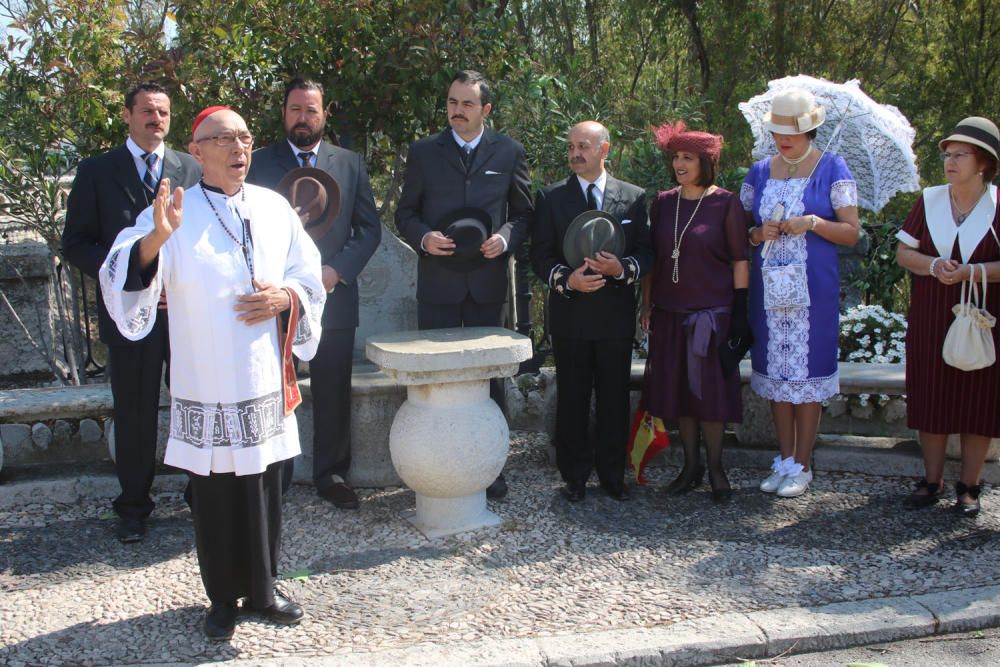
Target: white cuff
907 238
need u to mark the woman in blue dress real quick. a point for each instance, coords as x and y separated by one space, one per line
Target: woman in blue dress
803 204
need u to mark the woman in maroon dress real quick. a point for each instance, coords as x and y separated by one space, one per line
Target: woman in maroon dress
951 228
695 300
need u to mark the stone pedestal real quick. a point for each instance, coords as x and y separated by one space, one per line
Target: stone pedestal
449 441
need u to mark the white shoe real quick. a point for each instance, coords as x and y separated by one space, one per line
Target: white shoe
795 485
773 481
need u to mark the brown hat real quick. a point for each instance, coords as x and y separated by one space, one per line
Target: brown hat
313 193
977 131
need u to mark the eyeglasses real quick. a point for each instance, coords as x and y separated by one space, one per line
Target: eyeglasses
956 156
227 140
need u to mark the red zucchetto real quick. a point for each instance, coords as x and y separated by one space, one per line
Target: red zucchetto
205 113
676 137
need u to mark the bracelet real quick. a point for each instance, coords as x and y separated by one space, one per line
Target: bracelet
814 220
930 269
750 238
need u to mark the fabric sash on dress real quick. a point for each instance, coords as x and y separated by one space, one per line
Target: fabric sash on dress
699 326
291 394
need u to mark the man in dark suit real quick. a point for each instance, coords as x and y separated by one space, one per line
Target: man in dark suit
466 165
109 192
592 312
345 249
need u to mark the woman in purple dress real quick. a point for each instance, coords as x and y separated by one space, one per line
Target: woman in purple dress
694 301
803 203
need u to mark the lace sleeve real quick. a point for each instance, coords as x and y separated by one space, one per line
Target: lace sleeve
746 196
843 193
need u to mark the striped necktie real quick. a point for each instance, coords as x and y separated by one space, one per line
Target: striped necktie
148 179
305 158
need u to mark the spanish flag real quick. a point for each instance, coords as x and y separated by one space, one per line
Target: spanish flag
648 438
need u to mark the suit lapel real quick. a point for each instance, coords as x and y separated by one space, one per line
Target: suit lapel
573 204
484 151
612 194
172 168
449 150
127 177
288 159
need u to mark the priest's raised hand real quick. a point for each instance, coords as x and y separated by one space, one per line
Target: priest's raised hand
167 213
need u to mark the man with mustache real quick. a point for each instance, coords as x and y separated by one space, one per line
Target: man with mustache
109 192
591 312
466 165
246 293
345 248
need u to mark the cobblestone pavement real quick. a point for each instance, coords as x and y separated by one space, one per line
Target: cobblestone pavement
71 594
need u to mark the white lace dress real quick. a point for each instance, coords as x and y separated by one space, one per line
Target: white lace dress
794 354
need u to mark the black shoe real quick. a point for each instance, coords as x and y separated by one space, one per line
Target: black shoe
574 492
284 611
220 621
498 489
685 483
963 508
619 493
722 492
340 494
917 500
130 529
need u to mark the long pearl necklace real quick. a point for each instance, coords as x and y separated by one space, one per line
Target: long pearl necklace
959 214
678 238
793 163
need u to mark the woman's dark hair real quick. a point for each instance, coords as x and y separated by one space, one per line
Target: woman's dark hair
982 157
811 134
708 169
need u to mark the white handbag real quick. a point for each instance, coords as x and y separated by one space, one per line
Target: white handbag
968 346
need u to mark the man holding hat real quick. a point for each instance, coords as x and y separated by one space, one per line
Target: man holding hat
466 165
346 240
109 192
590 244
245 294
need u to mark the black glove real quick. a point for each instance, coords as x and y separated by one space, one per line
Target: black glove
740 338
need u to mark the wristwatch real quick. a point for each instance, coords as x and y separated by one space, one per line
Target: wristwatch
813 219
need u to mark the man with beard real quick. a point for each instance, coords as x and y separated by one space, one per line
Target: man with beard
345 248
466 165
245 293
592 312
109 192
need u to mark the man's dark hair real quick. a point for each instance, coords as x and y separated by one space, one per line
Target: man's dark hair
299 83
471 76
144 87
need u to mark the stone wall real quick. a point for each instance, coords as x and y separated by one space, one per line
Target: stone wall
33 298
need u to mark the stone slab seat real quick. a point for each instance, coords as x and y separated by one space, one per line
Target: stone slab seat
855 378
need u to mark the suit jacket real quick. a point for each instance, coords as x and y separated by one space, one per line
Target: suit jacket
437 182
610 311
355 233
107 196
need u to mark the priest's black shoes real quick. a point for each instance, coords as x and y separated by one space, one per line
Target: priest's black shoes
498 489
617 492
220 621
130 529
284 611
339 493
574 492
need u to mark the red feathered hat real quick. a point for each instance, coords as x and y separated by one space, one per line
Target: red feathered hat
676 137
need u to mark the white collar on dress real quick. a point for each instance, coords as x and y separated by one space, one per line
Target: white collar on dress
937 210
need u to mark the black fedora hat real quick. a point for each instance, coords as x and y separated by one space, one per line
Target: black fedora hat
590 233
469 228
314 193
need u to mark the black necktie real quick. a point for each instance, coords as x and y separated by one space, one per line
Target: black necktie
147 179
591 199
467 155
305 158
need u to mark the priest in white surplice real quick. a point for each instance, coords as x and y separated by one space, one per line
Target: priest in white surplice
244 291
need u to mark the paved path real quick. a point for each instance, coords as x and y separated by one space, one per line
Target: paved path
652 581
